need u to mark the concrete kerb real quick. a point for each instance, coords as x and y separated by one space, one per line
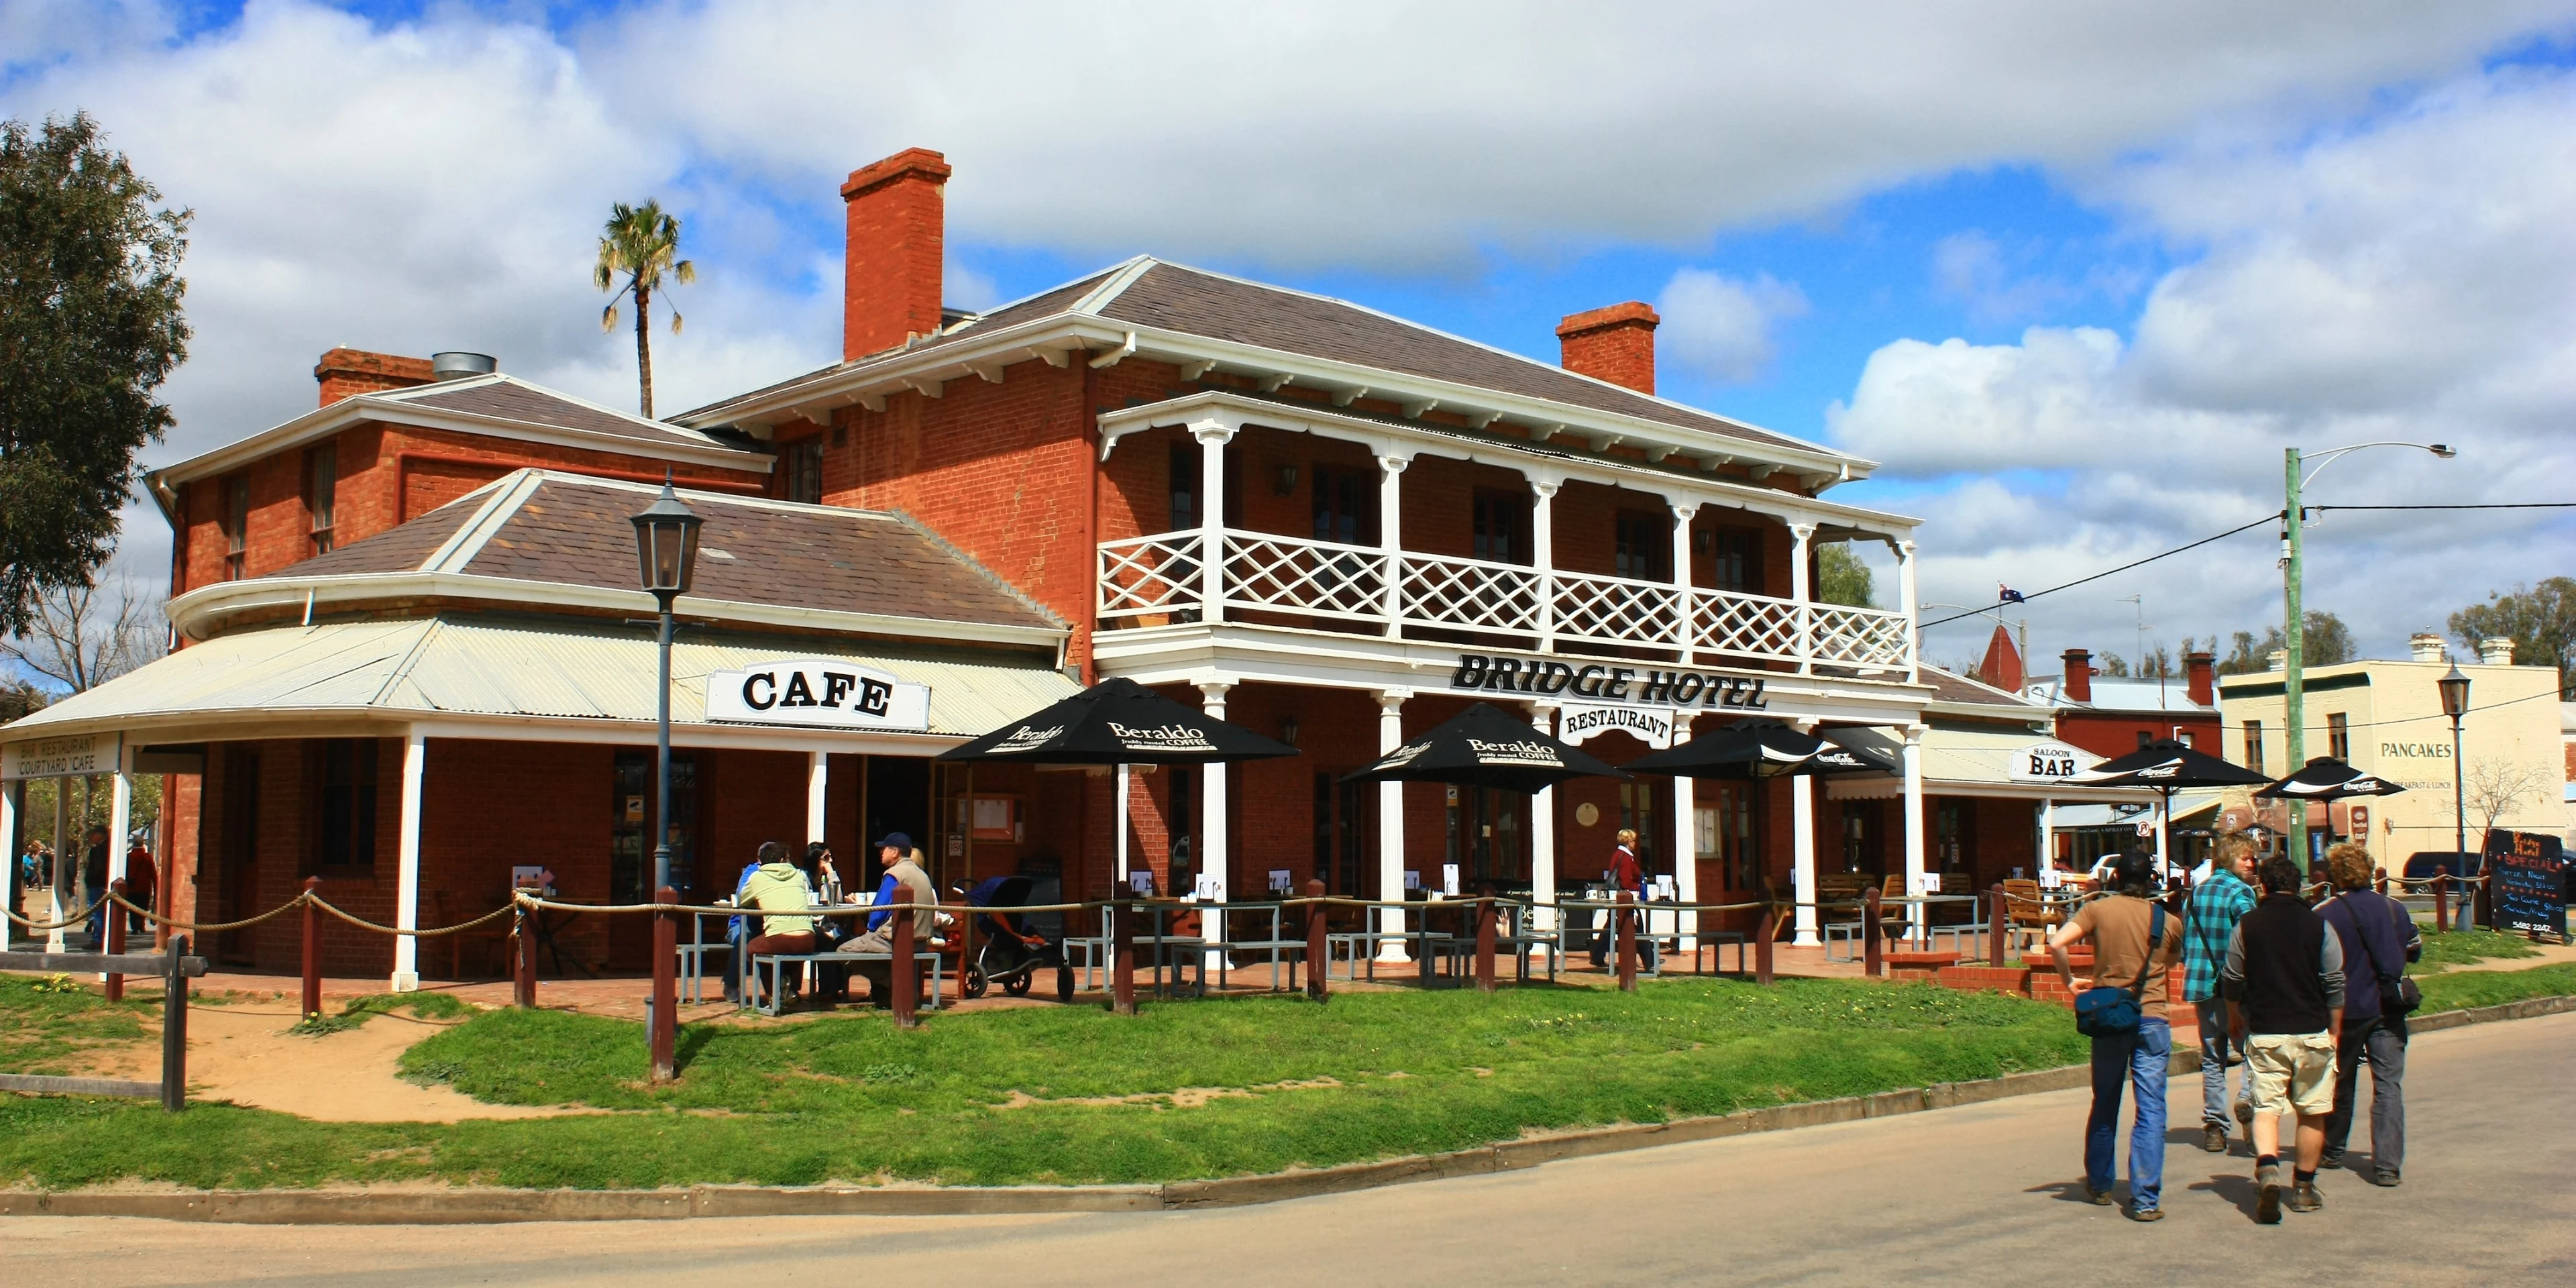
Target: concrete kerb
492 1206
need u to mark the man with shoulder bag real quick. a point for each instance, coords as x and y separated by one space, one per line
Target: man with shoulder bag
2378 936
2122 1008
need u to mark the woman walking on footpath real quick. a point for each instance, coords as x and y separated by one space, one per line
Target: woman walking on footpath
2134 947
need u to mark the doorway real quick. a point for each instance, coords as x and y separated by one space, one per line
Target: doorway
1488 838
630 850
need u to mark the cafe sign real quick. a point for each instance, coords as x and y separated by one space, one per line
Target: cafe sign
826 693
63 756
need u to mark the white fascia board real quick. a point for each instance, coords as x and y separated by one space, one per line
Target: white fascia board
1382 437
326 421
208 605
888 374
238 724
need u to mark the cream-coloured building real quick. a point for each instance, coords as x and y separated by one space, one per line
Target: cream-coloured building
2385 718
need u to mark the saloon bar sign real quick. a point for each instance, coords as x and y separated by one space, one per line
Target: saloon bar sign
1603 684
2044 762
827 692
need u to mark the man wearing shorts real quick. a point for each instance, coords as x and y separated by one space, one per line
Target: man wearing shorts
2284 987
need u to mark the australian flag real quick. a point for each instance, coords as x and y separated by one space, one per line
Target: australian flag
2007 595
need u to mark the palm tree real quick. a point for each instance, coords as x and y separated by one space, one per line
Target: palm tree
640 244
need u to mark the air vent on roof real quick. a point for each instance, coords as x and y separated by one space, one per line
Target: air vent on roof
457 366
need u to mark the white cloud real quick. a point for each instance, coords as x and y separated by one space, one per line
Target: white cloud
2412 277
1722 327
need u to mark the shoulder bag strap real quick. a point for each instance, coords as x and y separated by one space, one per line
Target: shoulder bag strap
2155 938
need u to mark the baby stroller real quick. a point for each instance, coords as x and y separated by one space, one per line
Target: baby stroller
1007 952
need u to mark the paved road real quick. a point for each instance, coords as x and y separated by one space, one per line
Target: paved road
1984 1194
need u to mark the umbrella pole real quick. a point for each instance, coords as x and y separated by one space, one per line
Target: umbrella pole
1121 791
2164 836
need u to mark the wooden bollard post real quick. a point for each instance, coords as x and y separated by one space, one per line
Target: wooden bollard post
1762 936
1627 941
115 938
2442 902
1319 952
312 1005
174 1028
665 1038
1997 920
1485 943
1873 957
905 978
524 983
2481 901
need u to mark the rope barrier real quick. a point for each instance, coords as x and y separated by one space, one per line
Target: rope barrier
429 933
77 919
279 911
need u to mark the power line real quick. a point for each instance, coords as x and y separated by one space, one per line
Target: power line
2273 517
2500 505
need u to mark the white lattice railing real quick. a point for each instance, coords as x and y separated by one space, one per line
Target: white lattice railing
1145 577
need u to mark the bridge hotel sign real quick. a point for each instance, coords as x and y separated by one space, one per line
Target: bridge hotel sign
1601 698
830 693
61 756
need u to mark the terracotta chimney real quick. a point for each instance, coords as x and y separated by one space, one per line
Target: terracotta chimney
2002 667
897 212
2079 675
1616 344
2201 672
346 373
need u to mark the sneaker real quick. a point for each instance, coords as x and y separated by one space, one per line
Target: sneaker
2146 1214
2267 1206
2213 1138
2098 1198
2332 1158
2385 1178
2304 1198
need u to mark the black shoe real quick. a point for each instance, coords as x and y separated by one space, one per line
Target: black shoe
2304 1198
2098 1198
2331 1158
2213 1138
2267 1206
2385 1178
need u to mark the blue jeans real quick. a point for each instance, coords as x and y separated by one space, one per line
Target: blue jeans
2145 1058
2216 1044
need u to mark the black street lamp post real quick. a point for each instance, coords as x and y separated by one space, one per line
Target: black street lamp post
2455 704
666 551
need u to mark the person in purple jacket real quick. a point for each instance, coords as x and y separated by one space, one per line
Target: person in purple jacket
2379 938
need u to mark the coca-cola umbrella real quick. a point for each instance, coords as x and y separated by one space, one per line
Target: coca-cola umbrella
1482 747
2325 778
1755 748
2167 765
1119 722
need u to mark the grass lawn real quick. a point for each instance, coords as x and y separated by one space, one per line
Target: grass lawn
1072 1094
2461 990
2466 947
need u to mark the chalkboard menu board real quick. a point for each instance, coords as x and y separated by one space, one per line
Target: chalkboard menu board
2529 871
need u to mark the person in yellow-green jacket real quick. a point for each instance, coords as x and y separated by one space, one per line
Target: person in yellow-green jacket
784 892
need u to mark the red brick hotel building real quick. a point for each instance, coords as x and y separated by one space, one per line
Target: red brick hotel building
414 660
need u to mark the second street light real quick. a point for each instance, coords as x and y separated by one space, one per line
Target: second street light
2294 621
666 552
2455 704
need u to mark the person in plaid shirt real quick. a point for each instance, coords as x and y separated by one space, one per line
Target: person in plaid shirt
2217 904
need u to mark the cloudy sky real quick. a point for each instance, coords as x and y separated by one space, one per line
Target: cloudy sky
2075 274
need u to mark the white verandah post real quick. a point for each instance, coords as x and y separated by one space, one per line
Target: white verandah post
1683 613
1215 863
1543 558
1804 594
1802 841
1543 834
1685 840
406 976
818 795
1390 539
1914 874
1212 436
1390 828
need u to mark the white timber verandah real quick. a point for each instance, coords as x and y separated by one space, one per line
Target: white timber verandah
1171 608
60 760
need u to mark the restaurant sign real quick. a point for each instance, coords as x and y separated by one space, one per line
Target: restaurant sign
62 756
1652 726
2044 761
826 692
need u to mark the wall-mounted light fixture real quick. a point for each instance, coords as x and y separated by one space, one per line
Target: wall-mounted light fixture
1288 731
1286 482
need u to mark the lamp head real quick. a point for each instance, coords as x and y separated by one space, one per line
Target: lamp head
666 544
2444 450
2455 692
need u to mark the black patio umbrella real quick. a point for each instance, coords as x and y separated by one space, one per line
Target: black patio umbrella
1482 747
1755 748
2167 765
2328 779
1119 722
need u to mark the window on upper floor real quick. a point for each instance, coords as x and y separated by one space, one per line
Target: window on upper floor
344 804
802 461
1185 487
2145 737
1737 556
2339 736
236 527
1502 526
321 496
1345 505
1643 545
2254 746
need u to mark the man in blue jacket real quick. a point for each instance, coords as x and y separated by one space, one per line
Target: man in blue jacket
2379 938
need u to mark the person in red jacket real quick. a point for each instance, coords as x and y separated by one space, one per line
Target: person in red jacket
1624 873
142 887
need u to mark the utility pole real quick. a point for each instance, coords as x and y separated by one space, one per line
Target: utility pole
2293 641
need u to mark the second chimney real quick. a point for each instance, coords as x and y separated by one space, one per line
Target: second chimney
2200 671
2425 646
346 373
897 235
2496 650
2078 685
1616 344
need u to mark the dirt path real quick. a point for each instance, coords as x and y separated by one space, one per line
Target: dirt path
244 1053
